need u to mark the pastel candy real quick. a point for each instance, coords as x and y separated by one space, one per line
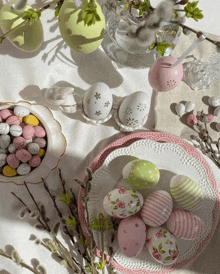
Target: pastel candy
186 193
13 161
23 169
5 113
19 142
31 120
35 161
12 149
15 130
3 150
39 131
21 111
4 128
9 171
33 148
40 141
5 141
23 155
3 157
41 152
28 132
13 120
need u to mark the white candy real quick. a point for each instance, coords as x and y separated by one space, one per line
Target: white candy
16 130
213 101
189 106
33 148
29 141
218 126
3 150
12 149
3 159
4 128
21 111
23 169
5 141
180 109
217 111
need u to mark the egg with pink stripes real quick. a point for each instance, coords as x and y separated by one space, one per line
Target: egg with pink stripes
157 208
185 225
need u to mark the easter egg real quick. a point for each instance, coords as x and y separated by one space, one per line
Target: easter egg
122 202
134 109
162 245
186 192
141 174
131 236
77 35
28 37
185 225
157 208
97 101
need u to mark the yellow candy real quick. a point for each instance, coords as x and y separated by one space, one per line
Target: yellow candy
31 120
9 171
41 152
21 118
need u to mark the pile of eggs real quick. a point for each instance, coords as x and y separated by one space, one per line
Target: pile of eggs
22 141
154 211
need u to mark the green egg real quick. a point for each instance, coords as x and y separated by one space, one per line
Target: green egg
77 35
27 38
141 174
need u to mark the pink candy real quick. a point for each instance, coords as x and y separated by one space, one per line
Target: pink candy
35 161
19 142
13 161
23 155
13 120
40 141
5 113
39 131
28 132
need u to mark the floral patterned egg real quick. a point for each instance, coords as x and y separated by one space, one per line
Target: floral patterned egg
185 225
162 245
131 236
97 101
157 208
122 202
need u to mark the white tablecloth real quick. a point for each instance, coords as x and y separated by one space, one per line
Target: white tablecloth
26 76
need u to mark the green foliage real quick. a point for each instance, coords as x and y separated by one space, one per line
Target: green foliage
81 241
33 15
101 265
90 15
57 9
65 198
175 14
101 223
192 11
126 6
71 221
144 6
162 46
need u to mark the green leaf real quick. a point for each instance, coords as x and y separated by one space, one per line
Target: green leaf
144 6
154 248
90 15
167 258
112 202
167 242
175 14
170 251
126 6
71 221
65 198
134 195
117 200
115 207
192 11
130 212
160 246
161 251
176 246
162 46
151 46
32 15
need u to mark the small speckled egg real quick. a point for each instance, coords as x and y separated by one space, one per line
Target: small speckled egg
13 120
23 169
12 149
3 157
21 111
157 208
186 192
13 161
214 101
5 113
189 106
5 140
41 152
4 128
180 109
97 101
40 141
34 161
122 202
39 131
19 142
33 148
131 236
15 130
28 132
185 225
141 174
134 109
217 111
162 245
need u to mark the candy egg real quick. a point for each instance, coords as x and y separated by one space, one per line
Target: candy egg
19 142
157 208
214 101
15 130
28 132
23 169
180 109
33 148
97 101
12 149
217 111
5 141
164 78
185 225
122 202
41 152
3 157
21 111
34 161
186 192
3 150
9 171
23 155
39 131
31 120
189 106
40 141
13 120
131 236
4 128
134 109
162 245
141 174
13 161
5 113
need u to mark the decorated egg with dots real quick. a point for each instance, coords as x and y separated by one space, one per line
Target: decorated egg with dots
157 208
141 174
162 245
122 202
131 236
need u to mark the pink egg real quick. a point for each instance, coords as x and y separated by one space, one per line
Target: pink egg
28 132
23 155
185 225
22 125
13 161
19 142
164 78
5 113
13 120
40 141
39 131
35 161
157 208
131 236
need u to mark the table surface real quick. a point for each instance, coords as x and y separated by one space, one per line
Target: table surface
26 76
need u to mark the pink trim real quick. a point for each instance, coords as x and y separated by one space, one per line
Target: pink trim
158 137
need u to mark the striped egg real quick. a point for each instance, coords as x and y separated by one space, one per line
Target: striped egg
185 225
185 192
157 208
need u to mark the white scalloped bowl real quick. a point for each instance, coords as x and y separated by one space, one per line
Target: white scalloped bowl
56 144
